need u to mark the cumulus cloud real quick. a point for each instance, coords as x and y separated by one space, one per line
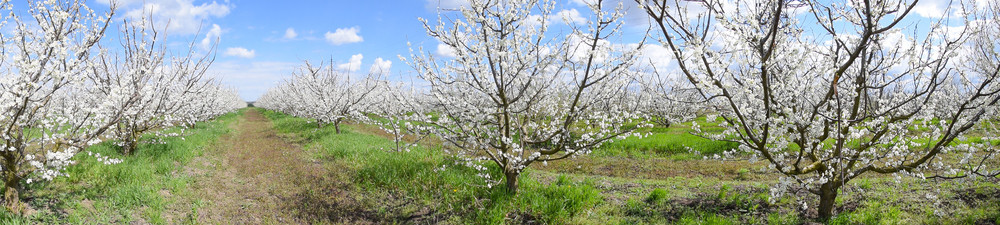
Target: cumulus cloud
445 50
943 8
183 16
571 16
344 36
352 65
534 20
290 33
211 36
983 4
655 55
931 8
240 52
380 66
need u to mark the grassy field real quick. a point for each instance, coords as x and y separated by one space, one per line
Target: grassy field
650 180
676 142
136 190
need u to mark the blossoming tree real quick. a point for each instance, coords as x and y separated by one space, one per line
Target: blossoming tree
398 110
980 158
58 98
152 89
44 59
517 94
826 92
325 94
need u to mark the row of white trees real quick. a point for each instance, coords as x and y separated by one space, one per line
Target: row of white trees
823 92
513 95
325 94
61 90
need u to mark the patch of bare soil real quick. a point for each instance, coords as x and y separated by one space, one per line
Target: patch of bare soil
724 203
253 176
973 196
659 168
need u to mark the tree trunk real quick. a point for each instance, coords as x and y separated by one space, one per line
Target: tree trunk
511 178
827 200
336 125
11 194
130 146
131 143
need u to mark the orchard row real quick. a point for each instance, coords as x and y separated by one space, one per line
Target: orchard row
62 90
822 92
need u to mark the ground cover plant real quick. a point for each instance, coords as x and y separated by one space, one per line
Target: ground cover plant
820 106
61 90
526 112
828 105
139 188
413 187
416 187
376 184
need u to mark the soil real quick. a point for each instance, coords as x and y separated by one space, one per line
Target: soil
254 176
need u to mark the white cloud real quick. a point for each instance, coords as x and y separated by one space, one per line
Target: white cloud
353 65
445 50
213 35
183 16
983 4
240 52
571 16
534 20
344 36
380 66
290 33
943 8
931 8
655 55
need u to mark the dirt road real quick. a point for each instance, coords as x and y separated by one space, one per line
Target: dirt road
254 176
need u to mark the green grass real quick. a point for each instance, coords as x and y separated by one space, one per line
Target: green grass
680 142
575 198
385 180
676 142
396 186
386 177
133 190
873 212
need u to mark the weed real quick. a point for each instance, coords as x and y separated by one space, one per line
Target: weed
743 174
558 202
657 196
873 212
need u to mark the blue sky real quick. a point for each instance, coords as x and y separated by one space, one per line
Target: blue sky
262 42
282 34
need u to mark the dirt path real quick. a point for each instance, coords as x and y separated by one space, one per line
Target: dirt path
254 176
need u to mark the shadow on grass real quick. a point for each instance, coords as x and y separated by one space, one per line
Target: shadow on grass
327 201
